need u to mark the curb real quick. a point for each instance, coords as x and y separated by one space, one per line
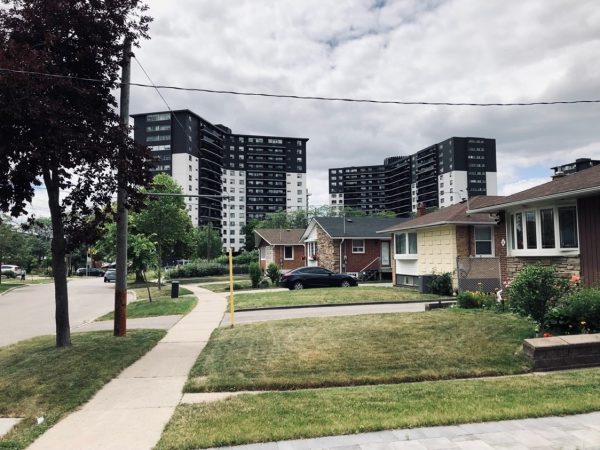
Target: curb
12 289
324 305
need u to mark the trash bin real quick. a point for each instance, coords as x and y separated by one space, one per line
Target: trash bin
174 289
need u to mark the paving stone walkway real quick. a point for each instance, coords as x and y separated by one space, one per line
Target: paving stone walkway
580 432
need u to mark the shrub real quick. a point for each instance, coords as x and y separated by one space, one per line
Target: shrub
577 313
199 269
476 299
264 283
255 274
534 291
441 284
273 273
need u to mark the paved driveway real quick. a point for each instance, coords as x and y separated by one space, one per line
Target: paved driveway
29 311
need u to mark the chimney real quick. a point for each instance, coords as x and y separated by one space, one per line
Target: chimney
421 210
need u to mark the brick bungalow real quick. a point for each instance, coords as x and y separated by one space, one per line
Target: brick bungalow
281 246
555 223
349 244
469 246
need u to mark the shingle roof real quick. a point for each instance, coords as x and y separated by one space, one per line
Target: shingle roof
455 214
356 227
576 185
278 236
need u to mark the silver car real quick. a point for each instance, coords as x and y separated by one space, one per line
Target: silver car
110 275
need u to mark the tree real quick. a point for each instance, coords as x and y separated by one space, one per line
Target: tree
141 251
164 220
248 232
206 242
60 130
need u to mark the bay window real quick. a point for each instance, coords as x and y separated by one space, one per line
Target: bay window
543 231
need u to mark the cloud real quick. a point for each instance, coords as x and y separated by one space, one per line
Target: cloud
445 50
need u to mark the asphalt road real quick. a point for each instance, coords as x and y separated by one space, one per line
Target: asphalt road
29 311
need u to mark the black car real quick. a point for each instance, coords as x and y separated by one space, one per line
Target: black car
90 271
315 277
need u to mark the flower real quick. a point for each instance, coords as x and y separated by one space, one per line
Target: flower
575 278
546 334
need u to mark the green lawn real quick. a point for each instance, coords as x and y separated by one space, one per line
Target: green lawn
366 349
328 296
37 379
6 286
323 412
242 285
161 306
141 292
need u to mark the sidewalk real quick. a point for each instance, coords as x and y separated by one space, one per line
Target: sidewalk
131 411
581 431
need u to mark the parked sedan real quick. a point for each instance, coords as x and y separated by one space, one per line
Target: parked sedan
315 277
90 271
110 275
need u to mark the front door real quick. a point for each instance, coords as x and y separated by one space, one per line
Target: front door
385 253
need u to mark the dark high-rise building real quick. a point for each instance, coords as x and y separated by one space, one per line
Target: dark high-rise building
190 149
238 177
437 176
261 174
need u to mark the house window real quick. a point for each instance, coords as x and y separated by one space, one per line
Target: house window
263 253
358 245
288 252
406 243
311 248
537 231
483 241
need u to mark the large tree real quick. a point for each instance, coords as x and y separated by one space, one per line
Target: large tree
58 128
164 220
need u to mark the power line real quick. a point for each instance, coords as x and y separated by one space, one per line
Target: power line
305 97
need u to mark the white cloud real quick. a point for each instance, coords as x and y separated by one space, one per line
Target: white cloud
453 50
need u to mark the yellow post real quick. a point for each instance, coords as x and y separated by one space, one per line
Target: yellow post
231 318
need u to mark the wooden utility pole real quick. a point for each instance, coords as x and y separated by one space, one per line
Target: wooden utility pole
120 327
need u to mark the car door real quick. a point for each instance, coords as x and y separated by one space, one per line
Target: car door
323 277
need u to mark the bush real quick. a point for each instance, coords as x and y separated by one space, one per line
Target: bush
255 274
199 269
536 290
441 284
264 283
470 300
577 313
273 273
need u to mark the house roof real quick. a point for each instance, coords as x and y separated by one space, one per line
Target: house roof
455 214
363 227
279 236
579 184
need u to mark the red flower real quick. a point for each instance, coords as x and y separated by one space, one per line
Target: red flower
546 334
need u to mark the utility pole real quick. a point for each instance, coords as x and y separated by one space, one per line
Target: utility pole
120 326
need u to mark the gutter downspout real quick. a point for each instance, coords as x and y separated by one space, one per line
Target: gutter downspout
341 257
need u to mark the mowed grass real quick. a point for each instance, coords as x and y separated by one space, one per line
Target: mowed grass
366 349
141 292
333 411
162 306
328 296
244 285
39 380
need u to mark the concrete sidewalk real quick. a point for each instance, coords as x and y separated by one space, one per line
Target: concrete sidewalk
131 411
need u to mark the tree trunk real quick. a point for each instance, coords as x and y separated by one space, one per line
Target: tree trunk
139 276
59 266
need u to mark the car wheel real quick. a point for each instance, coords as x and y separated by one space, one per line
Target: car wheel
298 285
105 280
345 283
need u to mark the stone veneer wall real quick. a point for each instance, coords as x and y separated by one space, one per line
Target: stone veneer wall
327 251
565 265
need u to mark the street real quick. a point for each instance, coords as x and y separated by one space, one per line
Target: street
29 311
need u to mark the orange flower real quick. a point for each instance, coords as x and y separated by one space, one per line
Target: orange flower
546 334
575 278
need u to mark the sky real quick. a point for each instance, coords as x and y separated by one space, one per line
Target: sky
410 50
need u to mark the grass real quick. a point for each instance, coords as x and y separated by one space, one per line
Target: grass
141 292
324 412
162 306
242 285
6 286
366 349
329 296
9 283
37 379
